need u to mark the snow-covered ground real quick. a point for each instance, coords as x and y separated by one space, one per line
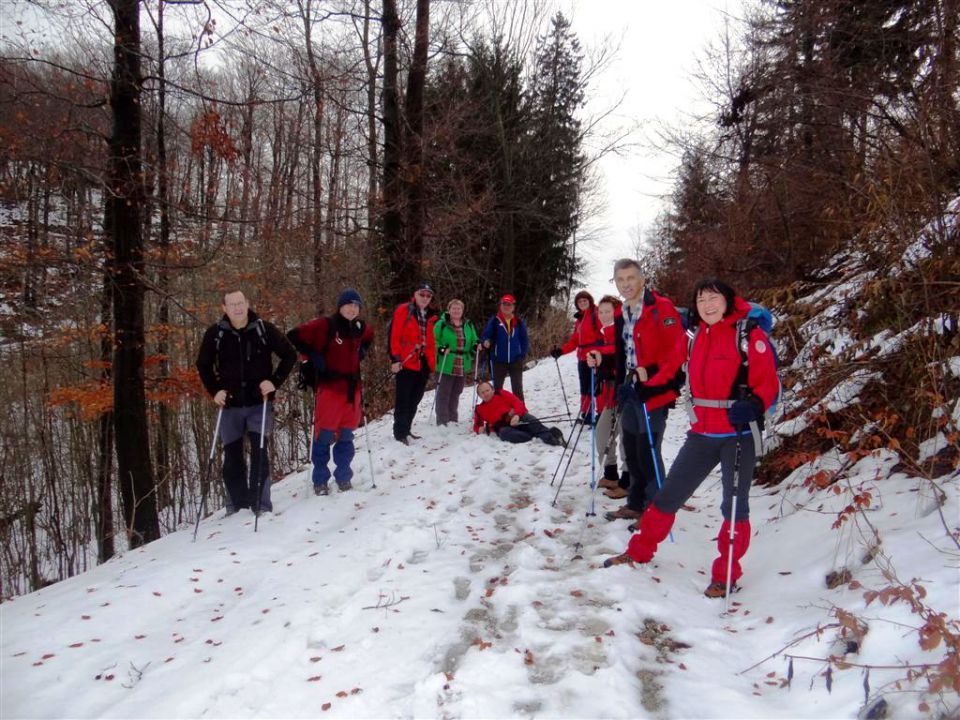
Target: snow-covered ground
455 589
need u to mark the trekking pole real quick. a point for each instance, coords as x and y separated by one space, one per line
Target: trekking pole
567 446
733 520
562 417
566 469
476 370
436 381
313 409
260 464
593 442
653 453
205 480
366 440
562 388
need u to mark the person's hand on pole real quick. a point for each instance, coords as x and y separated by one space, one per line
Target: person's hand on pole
220 398
267 387
594 358
395 367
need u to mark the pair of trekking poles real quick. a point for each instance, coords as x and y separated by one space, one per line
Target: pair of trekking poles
205 478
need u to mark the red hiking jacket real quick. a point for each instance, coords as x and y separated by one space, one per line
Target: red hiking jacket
495 413
405 336
714 361
661 345
586 335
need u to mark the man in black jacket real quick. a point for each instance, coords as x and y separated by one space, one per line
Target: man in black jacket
236 367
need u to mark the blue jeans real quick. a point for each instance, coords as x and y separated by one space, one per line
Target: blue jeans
343 452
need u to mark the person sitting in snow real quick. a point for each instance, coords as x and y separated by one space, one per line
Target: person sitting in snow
727 398
586 336
335 345
505 414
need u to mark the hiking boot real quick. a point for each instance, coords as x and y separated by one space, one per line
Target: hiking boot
412 436
343 487
719 590
321 489
558 434
621 559
607 484
403 440
623 513
616 493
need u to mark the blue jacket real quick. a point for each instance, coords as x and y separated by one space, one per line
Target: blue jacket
506 348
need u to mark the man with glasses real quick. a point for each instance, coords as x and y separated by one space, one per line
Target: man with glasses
412 357
505 338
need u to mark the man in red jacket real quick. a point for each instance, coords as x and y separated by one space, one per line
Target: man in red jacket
412 357
651 349
505 414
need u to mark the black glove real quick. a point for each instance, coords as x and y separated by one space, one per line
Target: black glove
626 393
319 362
745 411
645 392
556 353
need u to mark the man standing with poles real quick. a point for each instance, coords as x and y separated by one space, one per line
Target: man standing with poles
236 367
650 351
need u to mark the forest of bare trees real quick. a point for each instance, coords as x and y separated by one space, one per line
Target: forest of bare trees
158 153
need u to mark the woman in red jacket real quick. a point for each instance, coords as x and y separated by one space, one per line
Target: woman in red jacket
335 345
587 335
727 399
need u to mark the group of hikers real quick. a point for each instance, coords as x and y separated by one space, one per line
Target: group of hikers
635 354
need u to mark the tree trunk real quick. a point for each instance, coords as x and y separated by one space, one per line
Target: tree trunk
393 249
123 226
372 157
413 147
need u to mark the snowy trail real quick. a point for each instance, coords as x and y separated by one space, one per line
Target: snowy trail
449 591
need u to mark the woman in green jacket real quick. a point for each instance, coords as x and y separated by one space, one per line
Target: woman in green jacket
456 354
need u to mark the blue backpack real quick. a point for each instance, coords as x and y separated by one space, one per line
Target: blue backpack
758 317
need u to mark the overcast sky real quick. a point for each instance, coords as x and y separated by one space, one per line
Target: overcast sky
659 44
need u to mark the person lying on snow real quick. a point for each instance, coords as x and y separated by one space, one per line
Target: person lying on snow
504 414
727 399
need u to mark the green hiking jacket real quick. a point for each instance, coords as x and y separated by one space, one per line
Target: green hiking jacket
446 338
